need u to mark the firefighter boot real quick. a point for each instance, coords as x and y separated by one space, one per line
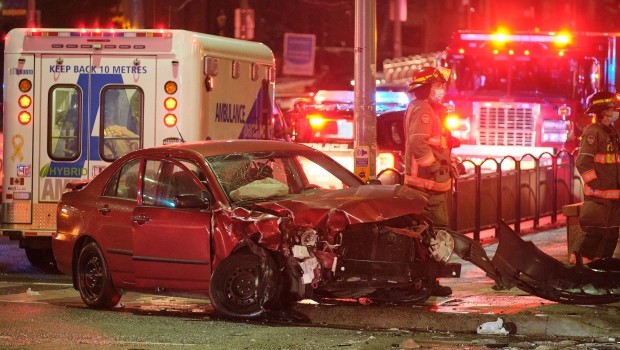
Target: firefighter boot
608 243
587 243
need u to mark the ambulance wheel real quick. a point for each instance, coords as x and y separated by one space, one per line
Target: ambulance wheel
94 279
41 258
237 283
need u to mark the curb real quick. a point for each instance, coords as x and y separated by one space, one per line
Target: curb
423 318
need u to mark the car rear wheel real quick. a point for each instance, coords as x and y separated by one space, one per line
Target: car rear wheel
240 286
94 279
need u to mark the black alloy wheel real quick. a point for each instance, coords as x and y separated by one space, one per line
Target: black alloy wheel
94 279
241 287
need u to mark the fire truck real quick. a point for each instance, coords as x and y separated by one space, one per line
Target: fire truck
518 93
77 99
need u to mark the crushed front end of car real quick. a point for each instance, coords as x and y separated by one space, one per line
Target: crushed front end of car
370 241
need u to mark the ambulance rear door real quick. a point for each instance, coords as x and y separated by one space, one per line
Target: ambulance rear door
93 110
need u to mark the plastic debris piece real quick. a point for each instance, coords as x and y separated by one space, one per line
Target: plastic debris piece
30 292
495 327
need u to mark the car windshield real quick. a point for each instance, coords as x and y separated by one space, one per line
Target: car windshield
269 175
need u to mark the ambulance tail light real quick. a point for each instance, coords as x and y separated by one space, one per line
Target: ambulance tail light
170 87
170 103
170 120
24 117
25 85
24 101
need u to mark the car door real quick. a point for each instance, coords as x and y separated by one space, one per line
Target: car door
113 226
171 244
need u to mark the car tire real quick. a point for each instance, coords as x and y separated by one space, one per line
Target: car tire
234 288
42 259
94 280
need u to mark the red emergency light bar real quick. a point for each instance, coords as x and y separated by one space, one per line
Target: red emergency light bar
100 33
560 39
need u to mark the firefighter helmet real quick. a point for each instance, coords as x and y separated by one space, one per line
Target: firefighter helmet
600 101
428 75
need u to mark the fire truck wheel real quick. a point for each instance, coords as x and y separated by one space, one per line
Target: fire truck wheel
240 286
42 259
94 279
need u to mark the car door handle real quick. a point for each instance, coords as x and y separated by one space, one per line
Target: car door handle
105 209
140 219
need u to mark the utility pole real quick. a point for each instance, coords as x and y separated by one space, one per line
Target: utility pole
365 72
398 14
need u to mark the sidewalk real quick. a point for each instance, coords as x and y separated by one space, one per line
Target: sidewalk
474 302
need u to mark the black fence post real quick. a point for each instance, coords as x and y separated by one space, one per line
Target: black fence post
518 196
478 204
498 213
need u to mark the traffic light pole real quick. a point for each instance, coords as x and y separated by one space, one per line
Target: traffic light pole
365 71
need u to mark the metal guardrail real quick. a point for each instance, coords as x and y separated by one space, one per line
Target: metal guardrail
518 194
516 190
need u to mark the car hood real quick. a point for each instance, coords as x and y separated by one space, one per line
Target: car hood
368 203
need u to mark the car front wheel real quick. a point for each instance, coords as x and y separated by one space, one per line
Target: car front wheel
241 285
94 279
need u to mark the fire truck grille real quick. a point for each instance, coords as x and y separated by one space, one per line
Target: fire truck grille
506 126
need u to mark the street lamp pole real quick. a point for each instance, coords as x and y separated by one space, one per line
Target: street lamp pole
365 71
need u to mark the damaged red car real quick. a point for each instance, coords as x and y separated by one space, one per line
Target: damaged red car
254 225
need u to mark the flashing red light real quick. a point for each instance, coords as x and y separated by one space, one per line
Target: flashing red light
452 121
316 121
526 52
461 51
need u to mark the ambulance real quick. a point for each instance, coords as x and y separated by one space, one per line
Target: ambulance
77 99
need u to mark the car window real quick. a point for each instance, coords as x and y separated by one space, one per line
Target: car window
252 176
125 183
164 180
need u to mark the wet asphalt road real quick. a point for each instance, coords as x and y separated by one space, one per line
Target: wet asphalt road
42 311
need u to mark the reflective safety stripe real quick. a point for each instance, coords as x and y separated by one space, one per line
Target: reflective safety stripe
589 176
607 194
426 160
439 141
428 184
607 158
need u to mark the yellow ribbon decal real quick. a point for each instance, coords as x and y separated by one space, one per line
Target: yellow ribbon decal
18 144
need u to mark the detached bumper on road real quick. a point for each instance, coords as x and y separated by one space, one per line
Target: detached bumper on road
521 264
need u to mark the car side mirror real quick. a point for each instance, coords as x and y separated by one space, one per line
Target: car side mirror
191 201
390 176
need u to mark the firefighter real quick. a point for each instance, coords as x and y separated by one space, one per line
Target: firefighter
598 163
427 152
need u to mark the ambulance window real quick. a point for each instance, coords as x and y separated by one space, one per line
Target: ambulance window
64 122
121 109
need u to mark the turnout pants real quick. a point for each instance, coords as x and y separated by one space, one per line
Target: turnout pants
599 220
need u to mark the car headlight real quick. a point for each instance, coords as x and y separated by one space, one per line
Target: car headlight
442 246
